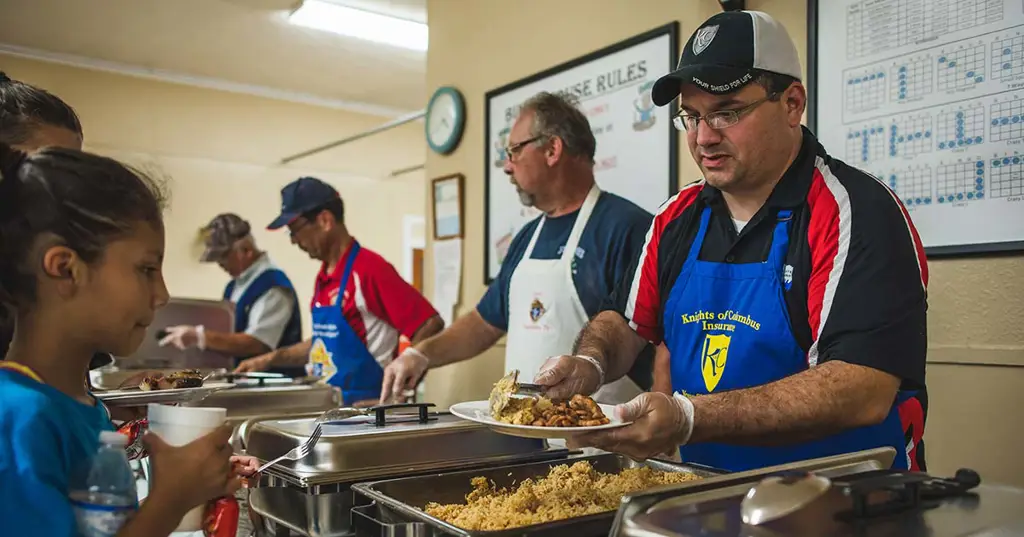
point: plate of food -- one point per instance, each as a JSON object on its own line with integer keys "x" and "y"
{"x": 177, "y": 387}
{"x": 508, "y": 411}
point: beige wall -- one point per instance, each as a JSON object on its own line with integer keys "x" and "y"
{"x": 976, "y": 305}
{"x": 219, "y": 152}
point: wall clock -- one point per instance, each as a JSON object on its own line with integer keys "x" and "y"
{"x": 445, "y": 120}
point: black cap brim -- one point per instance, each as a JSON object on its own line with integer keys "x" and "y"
{"x": 283, "y": 220}
{"x": 716, "y": 79}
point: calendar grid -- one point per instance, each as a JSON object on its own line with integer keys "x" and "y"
{"x": 865, "y": 90}
{"x": 1008, "y": 176}
{"x": 962, "y": 68}
{"x": 910, "y": 136}
{"x": 961, "y": 127}
{"x": 874, "y": 26}
{"x": 912, "y": 185}
{"x": 866, "y": 144}
{"x": 911, "y": 79}
{"x": 1008, "y": 57}
{"x": 1007, "y": 120}
{"x": 960, "y": 181}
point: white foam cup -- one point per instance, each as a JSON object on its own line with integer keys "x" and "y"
{"x": 178, "y": 426}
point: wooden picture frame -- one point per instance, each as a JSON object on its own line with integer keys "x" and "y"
{"x": 447, "y": 202}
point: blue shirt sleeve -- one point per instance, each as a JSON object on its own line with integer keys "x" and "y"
{"x": 493, "y": 307}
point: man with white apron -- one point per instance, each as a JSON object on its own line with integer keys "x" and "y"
{"x": 361, "y": 306}
{"x": 788, "y": 288}
{"x": 560, "y": 268}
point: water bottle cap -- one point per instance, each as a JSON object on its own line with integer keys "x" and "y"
{"x": 113, "y": 438}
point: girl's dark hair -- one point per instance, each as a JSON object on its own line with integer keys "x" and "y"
{"x": 78, "y": 199}
{"x": 24, "y": 108}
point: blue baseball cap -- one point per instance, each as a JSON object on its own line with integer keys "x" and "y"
{"x": 301, "y": 196}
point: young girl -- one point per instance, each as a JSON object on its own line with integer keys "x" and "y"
{"x": 81, "y": 248}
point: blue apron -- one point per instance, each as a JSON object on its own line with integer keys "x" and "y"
{"x": 338, "y": 355}
{"x": 727, "y": 327}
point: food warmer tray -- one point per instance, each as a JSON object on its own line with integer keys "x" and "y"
{"x": 395, "y": 504}
{"x": 871, "y": 503}
{"x": 313, "y": 497}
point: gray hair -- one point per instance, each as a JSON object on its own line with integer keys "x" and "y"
{"x": 558, "y": 114}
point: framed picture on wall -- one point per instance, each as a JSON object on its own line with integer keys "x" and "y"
{"x": 637, "y": 146}
{"x": 925, "y": 103}
{"x": 446, "y": 196}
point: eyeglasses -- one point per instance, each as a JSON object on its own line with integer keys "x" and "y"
{"x": 513, "y": 150}
{"x": 298, "y": 227}
{"x": 719, "y": 119}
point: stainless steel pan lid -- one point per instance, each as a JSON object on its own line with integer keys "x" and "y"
{"x": 360, "y": 448}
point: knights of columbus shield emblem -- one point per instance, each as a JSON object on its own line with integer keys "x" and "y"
{"x": 712, "y": 359}
{"x": 703, "y": 38}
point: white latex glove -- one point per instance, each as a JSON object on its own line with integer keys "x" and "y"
{"x": 566, "y": 376}
{"x": 403, "y": 373}
{"x": 660, "y": 425}
{"x": 184, "y": 337}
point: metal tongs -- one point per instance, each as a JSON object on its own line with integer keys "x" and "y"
{"x": 508, "y": 386}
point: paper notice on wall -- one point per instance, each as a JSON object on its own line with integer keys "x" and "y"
{"x": 447, "y": 277}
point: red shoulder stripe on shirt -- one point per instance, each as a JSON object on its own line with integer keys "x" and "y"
{"x": 828, "y": 235}
{"x": 644, "y": 298}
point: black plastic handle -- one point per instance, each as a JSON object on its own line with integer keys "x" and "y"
{"x": 380, "y": 411}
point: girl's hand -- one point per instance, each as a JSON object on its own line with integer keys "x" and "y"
{"x": 193, "y": 474}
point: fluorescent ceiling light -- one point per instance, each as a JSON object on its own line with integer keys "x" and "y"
{"x": 351, "y": 22}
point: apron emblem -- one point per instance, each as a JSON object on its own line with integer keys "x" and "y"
{"x": 536, "y": 310}
{"x": 712, "y": 361}
{"x": 321, "y": 361}
{"x": 703, "y": 38}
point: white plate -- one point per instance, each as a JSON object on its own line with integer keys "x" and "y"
{"x": 479, "y": 411}
{"x": 137, "y": 397}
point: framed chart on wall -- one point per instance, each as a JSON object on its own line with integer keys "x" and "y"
{"x": 928, "y": 97}
{"x": 637, "y": 146}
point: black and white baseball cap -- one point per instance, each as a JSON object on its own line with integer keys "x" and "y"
{"x": 727, "y": 52}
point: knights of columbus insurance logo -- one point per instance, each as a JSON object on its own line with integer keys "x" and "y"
{"x": 321, "y": 363}
{"x": 712, "y": 359}
{"x": 536, "y": 310}
{"x": 643, "y": 108}
{"x": 703, "y": 38}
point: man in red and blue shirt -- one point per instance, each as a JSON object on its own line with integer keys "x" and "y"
{"x": 360, "y": 306}
{"x": 788, "y": 287}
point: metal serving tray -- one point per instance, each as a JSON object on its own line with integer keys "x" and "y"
{"x": 396, "y": 504}
{"x": 312, "y": 496}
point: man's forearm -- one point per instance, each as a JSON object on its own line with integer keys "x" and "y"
{"x": 295, "y": 355}
{"x": 433, "y": 326}
{"x": 610, "y": 340}
{"x": 238, "y": 344}
{"x": 824, "y": 400}
{"x": 467, "y": 337}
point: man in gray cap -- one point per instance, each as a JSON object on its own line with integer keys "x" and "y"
{"x": 267, "y": 315}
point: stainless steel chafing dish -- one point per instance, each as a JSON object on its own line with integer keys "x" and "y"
{"x": 312, "y": 496}
{"x": 396, "y": 504}
{"x": 856, "y": 495}
{"x": 634, "y": 517}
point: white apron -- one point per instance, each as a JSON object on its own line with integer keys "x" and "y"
{"x": 545, "y": 314}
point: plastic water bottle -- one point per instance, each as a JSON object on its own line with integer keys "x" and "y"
{"x": 108, "y": 497}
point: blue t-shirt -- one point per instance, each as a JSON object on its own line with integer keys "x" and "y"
{"x": 47, "y": 441}
{"x": 611, "y": 241}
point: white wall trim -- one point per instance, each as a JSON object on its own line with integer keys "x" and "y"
{"x": 198, "y": 81}
{"x": 412, "y": 240}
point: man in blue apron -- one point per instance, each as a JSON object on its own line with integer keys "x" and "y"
{"x": 267, "y": 314}
{"x": 561, "y": 266}
{"x": 361, "y": 306}
{"x": 788, "y": 287}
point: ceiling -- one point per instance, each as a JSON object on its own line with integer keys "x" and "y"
{"x": 245, "y": 45}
